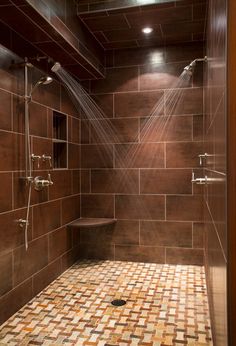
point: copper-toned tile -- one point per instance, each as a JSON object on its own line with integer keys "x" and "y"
{"x": 5, "y": 110}
{"x": 60, "y": 241}
{"x": 140, "y": 253}
{"x": 166, "y": 129}
{"x": 146, "y": 155}
{"x": 15, "y": 299}
{"x": 166, "y": 181}
{"x": 97, "y": 206}
{"x": 184, "y": 256}
{"x": 161, "y": 76}
{"x": 46, "y": 217}
{"x": 114, "y": 130}
{"x": 115, "y": 181}
{"x": 6, "y": 273}
{"x": 70, "y": 209}
{"x": 117, "y": 79}
{"x": 145, "y": 207}
{"x": 46, "y": 276}
{"x": 96, "y": 156}
{"x": 26, "y": 263}
{"x": 183, "y": 155}
{"x": 184, "y": 208}
{"x": 166, "y": 233}
{"x": 139, "y": 104}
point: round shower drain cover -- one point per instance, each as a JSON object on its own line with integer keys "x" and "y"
{"x": 118, "y": 302}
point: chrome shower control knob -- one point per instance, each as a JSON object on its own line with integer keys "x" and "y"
{"x": 40, "y": 183}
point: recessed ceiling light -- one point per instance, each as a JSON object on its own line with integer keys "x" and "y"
{"x": 147, "y": 30}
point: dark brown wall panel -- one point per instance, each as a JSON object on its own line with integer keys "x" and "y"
{"x": 51, "y": 250}
{"x": 138, "y": 161}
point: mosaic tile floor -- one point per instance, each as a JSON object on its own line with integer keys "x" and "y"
{"x": 166, "y": 305}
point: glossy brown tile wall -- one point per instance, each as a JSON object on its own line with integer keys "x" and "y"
{"x": 138, "y": 168}
{"x": 215, "y": 167}
{"x": 52, "y": 247}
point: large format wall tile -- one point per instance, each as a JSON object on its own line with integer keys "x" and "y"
{"x": 24, "y": 273}
{"x": 141, "y": 175}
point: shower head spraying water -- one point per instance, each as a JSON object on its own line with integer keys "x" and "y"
{"x": 56, "y": 67}
{"x": 191, "y": 67}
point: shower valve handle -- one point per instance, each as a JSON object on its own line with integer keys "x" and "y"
{"x": 40, "y": 183}
{"x": 47, "y": 158}
{"x": 36, "y": 158}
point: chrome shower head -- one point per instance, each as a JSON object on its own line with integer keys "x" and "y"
{"x": 191, "y": 67}
{"x": 43, "y": 80}
{"x": 56, "y": 67}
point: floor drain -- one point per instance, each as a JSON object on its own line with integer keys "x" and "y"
{"x": 118, "y": 302}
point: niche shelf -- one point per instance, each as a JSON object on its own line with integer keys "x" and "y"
{"x": 60, "y": 145}
{"x": 91, "y": 222}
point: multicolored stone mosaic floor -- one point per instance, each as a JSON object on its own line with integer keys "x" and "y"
{"x": 166, "y": 305}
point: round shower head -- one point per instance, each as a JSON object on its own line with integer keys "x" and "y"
{"x": 45, "y": 80}
{"x": 42, "y": 81}
{"x": 190, "y": 68}
{"x": 56, "y": 67}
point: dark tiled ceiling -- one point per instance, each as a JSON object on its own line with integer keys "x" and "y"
{"x": 121, "y": 27}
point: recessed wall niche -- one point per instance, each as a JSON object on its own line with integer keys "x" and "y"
{"x": 60, "y": 145}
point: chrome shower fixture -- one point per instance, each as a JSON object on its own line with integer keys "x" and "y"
{"x": 43, "y": 80}
{"x": 190, "y": 68}
{"x": 56, "y": 67}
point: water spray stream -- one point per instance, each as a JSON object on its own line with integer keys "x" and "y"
{"x": 106, "y": 136}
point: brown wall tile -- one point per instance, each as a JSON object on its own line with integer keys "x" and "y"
{"x": 115, "y": 130}
{"x": 161, "y": 76}
{"x": 26, "y": 263}
{"x": 162, "y": 233}
{"x": 145, "y": 207}
{"x": 60, "y": 241}
{"x": 15, "y": 299}
{"x": 46, "y": 217}
{"x": 119, "y": 79}
{"x": 70, "y": 208}
{"x": 115, "y": 181}
{"x": 148, "y": 155}
{"x": 44, "y": 277}
{"x": 62, "y": 184}
{"x": 5, "y": 110}
{"x": 5, "y": 273}
{"x": 183, "y": 155}
{"x": 97, "y": 206}
{"x": 166, "y": 181}
{"x": 184, "y": 208}
{"x": 139, "y": 104}
{"x": 166, "y": 129}
{"x": 96, "y": 156}
{"x": 6, "y": 192}
{"x": 184, "y": 256}
{"x": 11, "y": 234}
{"x": 139, "y": 253}
{"x": 101, "y": 252}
